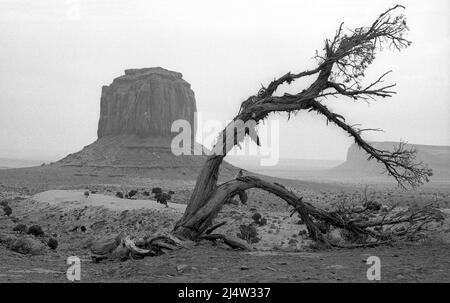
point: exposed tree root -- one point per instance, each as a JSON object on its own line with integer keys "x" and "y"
{"x": 128, "y": 248}
{"x": 214, "y": 227}
{"x": 228, "y": 241}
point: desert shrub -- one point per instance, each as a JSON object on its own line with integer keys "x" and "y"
{"x": 353, "y": 237}
{"x": 256, "y": 217}
{"x": 323, "y": 226}
{"x": 22, "y": 228}
{"x": 52, "y": 243}
{"x": 35, "y": 230}
{"x": 156, "y": 190}
{"x": 119, "y": 194}
{"x": 263, "y": 221}
{"x": 303, "y": 233}
{"x": 7, "y": 210}
{"x": 162, "y": 198}
{"x": 248, "y": 233}
{"x": 372, "y": 205}
{"x": 292, "y": 241}
{"x": 132, "y": 193}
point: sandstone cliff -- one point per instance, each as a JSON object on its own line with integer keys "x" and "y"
{"x": 436, "y": 157}
{"x": 145, "y": 102}
{"x": 134, "y": 129}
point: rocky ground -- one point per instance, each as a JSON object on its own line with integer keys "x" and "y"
{"x": 283, "y": 253}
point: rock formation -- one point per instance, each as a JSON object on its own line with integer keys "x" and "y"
{"x": 145, "y": 102}
{"x": 436, "y": 157}
{"x": 134, "y": 129}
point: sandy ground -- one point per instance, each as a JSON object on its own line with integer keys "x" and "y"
{"x": 76, "y": 199}
{"x": 429, "y": 262}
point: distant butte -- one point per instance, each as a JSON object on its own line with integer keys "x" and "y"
{"x": 145, "y": 102}
{"x": 134, "y": 129}
{"x": 436, "y": 157}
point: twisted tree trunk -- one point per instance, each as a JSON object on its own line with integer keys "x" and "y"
{"x": 339, "y": 73}
{"x": 205, "y": 188}
{"x": 343, "y": 63}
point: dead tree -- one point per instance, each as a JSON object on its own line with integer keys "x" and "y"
{"x": 339, "y": 73}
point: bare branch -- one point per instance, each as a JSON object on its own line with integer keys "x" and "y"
{"x": 398, "y": 163}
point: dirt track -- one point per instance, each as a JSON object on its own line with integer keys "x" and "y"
{"x": 403, "y": 263}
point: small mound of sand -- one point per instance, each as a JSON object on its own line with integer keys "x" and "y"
{"x": 76, "y": 199}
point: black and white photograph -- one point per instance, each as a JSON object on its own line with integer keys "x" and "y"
{"x": 221, "y": 148}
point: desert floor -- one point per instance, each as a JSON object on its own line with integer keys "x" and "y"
{"x": 53, "y": 198}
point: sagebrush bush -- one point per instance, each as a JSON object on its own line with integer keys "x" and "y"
{"x": 248, "y": 233}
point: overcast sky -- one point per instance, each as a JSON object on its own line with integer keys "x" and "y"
{"x": 56, "y": 55}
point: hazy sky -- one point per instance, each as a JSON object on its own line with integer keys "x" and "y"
{"x": 56, "y": 55}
